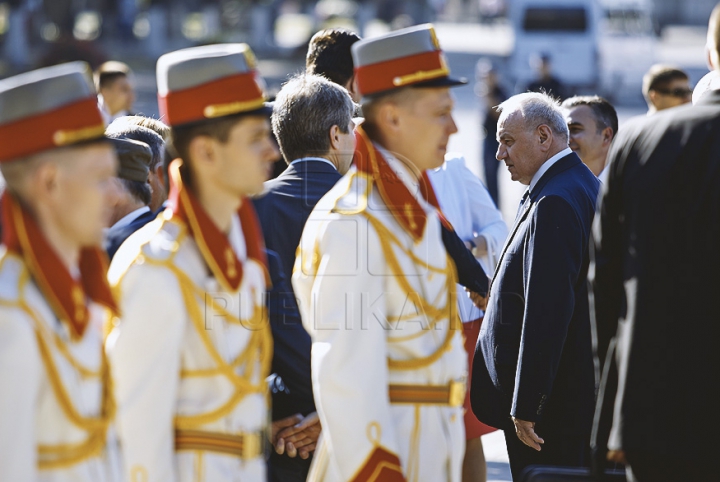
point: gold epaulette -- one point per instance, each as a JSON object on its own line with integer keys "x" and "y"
{"x": 360, "y": 204}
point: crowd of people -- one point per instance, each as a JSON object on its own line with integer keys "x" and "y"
{"x": 366, "y": 313}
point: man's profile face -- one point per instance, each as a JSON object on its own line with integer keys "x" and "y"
{"x": 244, "y": 160}
{"x": 677, "y": 92}
{"x": 427, "y": 125}
{"x": 119, "y": 95}
{"x": 585, "y": 138}
{"x": 518, "y": 147}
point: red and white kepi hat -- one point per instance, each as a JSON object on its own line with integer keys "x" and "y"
{"x": 46, "y": 109}
{"x": 407, "y": 57}
{"x": 203, "y": 83}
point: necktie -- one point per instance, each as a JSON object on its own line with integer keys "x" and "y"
{"x": 522, "y": 202}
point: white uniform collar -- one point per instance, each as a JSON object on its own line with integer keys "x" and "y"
{"x": 547, "y": 165}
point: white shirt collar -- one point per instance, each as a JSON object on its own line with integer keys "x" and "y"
{"x": 547, "y": 165}
{"x": 314, "y": 159}
{"x": 130, "y": 217}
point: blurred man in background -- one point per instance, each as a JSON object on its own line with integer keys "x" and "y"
{"x": 133, "y": 192}
{"x": 593, "y": 123}
{"x": 329, "y": 55}
{"x": 116, "y": 93}
{"x": 492, "y": 94}
{"x": 665, "y": 87}
{"x": 149, "y": 131}
{"x": 545, "y": 82}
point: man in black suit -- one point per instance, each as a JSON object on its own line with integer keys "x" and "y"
{"x": 312, "y": 121}
{"x": 533, "y": 373}
{"x": 655, "y": 287}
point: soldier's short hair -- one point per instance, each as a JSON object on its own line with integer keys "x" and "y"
{"x": 305, "y": 110}
{"x": 329, "y": 54}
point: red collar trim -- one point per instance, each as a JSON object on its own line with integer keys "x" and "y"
{"x": 66, "y": 296}
{"x": 397, "y": 197}
{"x": 213, "y": 243}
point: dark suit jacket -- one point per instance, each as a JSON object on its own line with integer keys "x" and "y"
{"x": 533, "y": 359}
{"x": 117, "y": 236}
{"x": 656, "y": 283}
{"x": 292, "y": 345}
{"x": 287, "y": 203}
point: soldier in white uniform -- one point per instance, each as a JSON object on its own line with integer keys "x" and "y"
{"x": 376, "y": 286}
{"x": 192, "y": 350}
{"x": 56, "y": 407}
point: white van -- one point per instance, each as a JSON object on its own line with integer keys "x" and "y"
{"x": 566, "y": 30}
{"x": 628, "y": 47}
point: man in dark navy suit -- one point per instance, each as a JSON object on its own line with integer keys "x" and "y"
{"x": 312, "y": 121}
{"x": 135, "y": 210}
{"x": 133, "y": 192}
{"x": 533, "y": 371}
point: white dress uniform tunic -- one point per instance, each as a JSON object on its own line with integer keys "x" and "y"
{"x": 377, "y": 295}
{"x": 56, "y": 406}
{"x": 189, "y": 356}
{"x": 192, "y": 349}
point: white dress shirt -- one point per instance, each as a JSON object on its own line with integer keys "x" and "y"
{"x": 130, "y": 217}
{"x": 468, "y": 206}
{"x": 322, "y": 159}
{"x": 547, "y": 165}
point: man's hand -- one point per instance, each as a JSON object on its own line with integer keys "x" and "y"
{"x": 526, "y": 433}
{"x": 478, "y": 300}
{"x": 299, "y": 438}
{"x": 278, "y": 425}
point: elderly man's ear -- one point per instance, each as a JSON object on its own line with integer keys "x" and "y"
{"x": 544, "y": 136}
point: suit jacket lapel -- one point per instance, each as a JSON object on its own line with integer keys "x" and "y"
{"x": 561, "y": 165}
{"x": 518, "y": 221}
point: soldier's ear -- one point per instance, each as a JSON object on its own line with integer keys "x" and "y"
{"x": 201, "y": 150}
{"x": 389, "y": 116}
